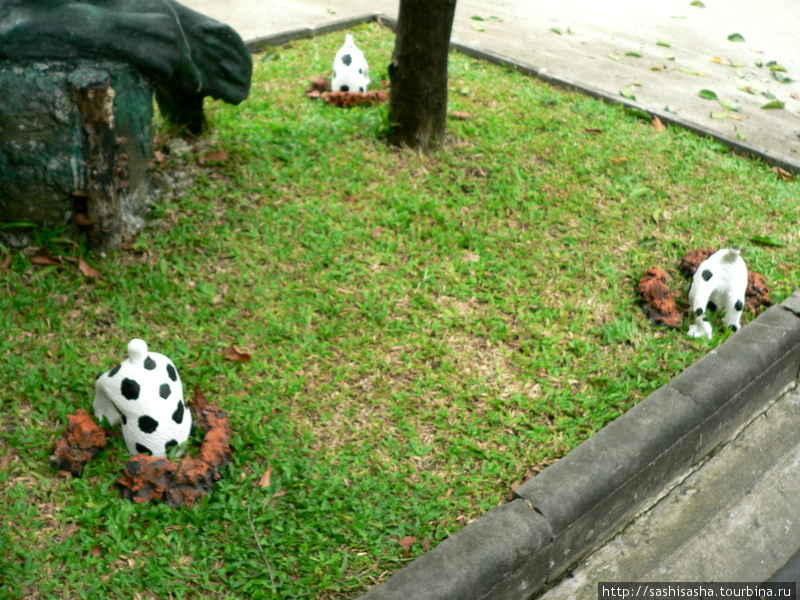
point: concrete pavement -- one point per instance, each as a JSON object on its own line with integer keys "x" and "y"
{"x": 734, "y": 517}
{"x": 660, "y": 53}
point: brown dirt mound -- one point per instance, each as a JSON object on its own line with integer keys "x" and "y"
{"x": 691, "y": 260}
{"x": 321, "y": 88}
{"x": 146, "y": 478}
{"x": 658, "y": 301}
{"x": 757, "y": 293}
{"x": 79, "y": 444}
{"x": 196, "y": 476}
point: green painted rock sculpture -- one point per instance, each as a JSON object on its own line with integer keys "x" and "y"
{"x": 77, "y": 81}
{"x": 185, "y": 54}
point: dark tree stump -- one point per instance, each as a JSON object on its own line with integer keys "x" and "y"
{"x": 418, "y": 73}
{"x": 74, "y": 145}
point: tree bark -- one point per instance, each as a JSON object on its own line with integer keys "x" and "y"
{"x": 418, "y": 73}
{"x": 95, "y": 98}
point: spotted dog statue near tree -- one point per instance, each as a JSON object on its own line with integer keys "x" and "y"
{"x": 350, "y": 68}
{"x": 145, "y": 394}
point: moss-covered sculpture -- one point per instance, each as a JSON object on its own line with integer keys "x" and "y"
{"x": 186, "y": 55}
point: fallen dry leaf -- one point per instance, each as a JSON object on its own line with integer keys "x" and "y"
{"x": 235, "y": 354}
{"x": 460, "y": 115}
{"x": 87, "y": 269}
{"x": 266, "y": 478}
{"x": 658, "y": 125}
{"x": 42, "y": 257}
{"x": 593, "y": 131}
{"x": 158, "y": 156}
{"x": 219, "y": 156}
{"x": 784, "y": 174}
{"x": 621, "y": 159}
{"x": 6, "y": 263}
{"x": 406, "y": 544}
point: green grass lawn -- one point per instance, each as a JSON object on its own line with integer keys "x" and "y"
{"x": 425, "y": 331}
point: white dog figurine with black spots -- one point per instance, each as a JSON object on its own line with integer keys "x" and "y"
{"x": 720, "y": 282}
{"x": 145, "y": 394}
{"x": 350, "y": 68}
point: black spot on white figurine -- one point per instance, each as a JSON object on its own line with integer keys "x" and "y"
{"x": 719, "y": 282}
{"x": 145, "y": 394}
{"x": 350, "y": 68}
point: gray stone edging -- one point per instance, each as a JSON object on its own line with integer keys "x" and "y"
{"x": 258, "y": 44}
{"x": 517, "y": 550}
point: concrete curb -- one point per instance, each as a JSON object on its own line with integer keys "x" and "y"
{"x": 560, "y": 515}
{"x": 258, "y": 44}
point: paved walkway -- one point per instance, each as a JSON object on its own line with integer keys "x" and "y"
{"x": 734, "y": 518}
{"x": 663, "y": 52}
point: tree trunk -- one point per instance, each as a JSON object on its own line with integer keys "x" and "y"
{"x": 418, "y": 73}
{"x": 95, "y": 98}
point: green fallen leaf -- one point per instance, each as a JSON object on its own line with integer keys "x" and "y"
{"x": 555, "y": 30}
{"x": 628, "y": 93}
{"x": 708, "y": 95}
{"x": 639, "y": 192}
{"x": 736, "y": 63}
{"x": 646, "y": 242}
{"x": 781, "y": 77}
{"x": 477, "y": 27}
{"x": 633, "y": 53}
{"x": 663, "y": 43}
{"x": 697, "y": 3}
{"x": 613, "y": 57}
{"x": 765, "y": 240}
{"x": 741, "y": 136}
{"x": 669, "y": 56}
{"x": 690, "y": 72}
{"x": 774, "y": 104}
{"x": 720, "y": 114}
{"x": 728, "y": 105}
{"x": 477, "y": 18}
{"x": 736, "y": 37}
